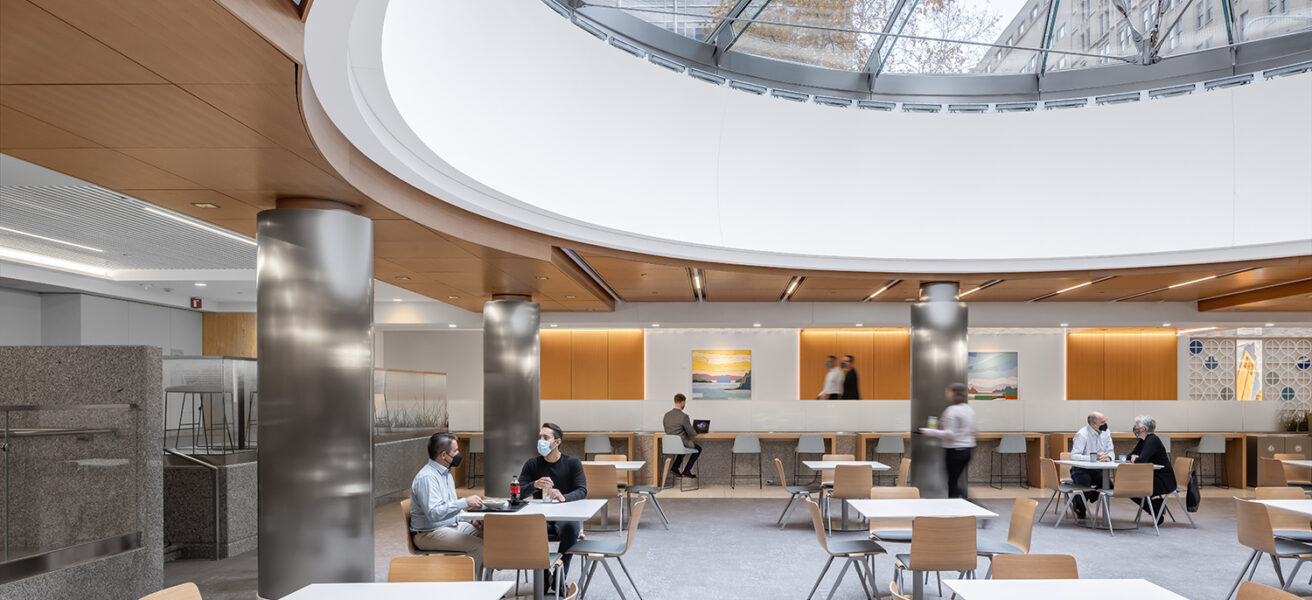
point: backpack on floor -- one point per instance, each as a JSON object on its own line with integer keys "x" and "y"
{"x": 1192, "y": 497}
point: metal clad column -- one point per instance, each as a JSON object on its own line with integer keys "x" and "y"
{"x": 938, "y": 358}
{"x": 511, "y": 406}
{"x": 315, "y": 337}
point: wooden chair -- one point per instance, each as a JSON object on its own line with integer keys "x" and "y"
{"x": 940, "y": 544}
{"x": 595, "y": 552}
{"x": 1182, "y": 467}
{"x": 1253, "y": 526}
{"x": 1061, "y": 491}
{"x": 1018, "y": 534}
{"x": 1285, "y": 524}
{"x": 1132, "y": 481}
{"x": 850, "y": 482}
{"x": 894, "y": 594}
{"x": 1271, "y": 473}
{"x": 1064, "y": 471}
{"x": 859, "y": 554}
{"x": 1256, "y": 591}
{"x": 797, "y": 493}
{"x": 603, "y": 484}
{"x": 621, "y": 477}
{"x": 1299, "y": 477}
{"x": 903, "y": 473}
{"x": 892, "y": 531}
{"x": 1035, "y": 566}
{"x": 827, "y": 475}
{"x": 182, "y": 591}
{"x": 517, "y": 542}
{"x": 430, "y": 568}
{"x": 648, "y": 492}
{"x": 410, "y": 536}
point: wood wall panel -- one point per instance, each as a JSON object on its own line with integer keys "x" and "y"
{"x": 892, "y": 373}
{"x": 883, "y": 360}
{"x": 588, "y": 364}
{"x": 556, "y": 375}
{"x": 1160, "y": 360}
{"x": 814, "y": 345}
{"x": 1084, "y": 366}
{"x": 625, "y": 366}
{"x": 861, "y": 345}
{"x": 228, "y": 334}
{"x": 1121, "y": 364}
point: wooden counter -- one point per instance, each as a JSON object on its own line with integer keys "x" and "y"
{"x": 1035, "y": 448}
{"x": 830, "y": 440}
{"x": 462, "y": 439}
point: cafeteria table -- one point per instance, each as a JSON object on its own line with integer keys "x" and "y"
{"x": 578, "y": 510}
{"x": 907, "y": 509}
{"x": 829, "y": 465}
{"x": 1300, "y": 507}
{"x": 452, "y": 590}
{"x": 1107, "y": 468}
{"x": 620, "y": 465}
{"x": 1065, "y": 589}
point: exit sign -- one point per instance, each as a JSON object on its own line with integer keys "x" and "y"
{"x": 195, "y": 302}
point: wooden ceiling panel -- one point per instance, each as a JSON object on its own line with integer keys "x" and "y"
{"x": 247, "y": 169}
{"x": 1263, "y": 276}
{"x": 104, "y": 167}
{"x": 736, "y": 286}
{"x": 1020, "y": 290}
{"x": 836, "y": 289}
{"x": 18, "y": 130}
{"x": 271, "y": 110}
{"x": 642, "y": 282}
{"x": 184, "y": 201}
{"x": 1288, "y": 304}
{"x": 445, "y": 293}
{"x": 243, "y": 226}
{"x": 41, "y": 48}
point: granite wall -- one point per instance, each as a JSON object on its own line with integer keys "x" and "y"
{"x": 77, "y": 488}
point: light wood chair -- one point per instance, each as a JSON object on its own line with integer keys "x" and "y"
{"x": 893, "y": 592}
{"x": 1285, "y": 524}
{"x": 182, "y": 591}
{"x": 1271, "y": 473}
{"x": 1182, "y": 467}
{"x": 648, "y": 492}
{"x": 1253, "y": 526}
{"x": 603, "y": 484}
{"x": 1019, "y": 533}
{"x": 517, "y": 542}
{"x": 859, "y": 554}
{"x": 1035, "y": 566}
{"x": 430, "y": 568}
{"x": 595, "y": 552}
{"x": 903, "y": 473}
{"x": 940, "y": 544}
{"x": 850, "y": 482}
{"x": 1299, "y": 477}
{"x": 1062, "y": 491}
{"x": 892, "y": 531}
{"x": 410, "y": 536}
{"x": 1064, "y": 471}
{"x": 1133, "y": 481}
{"x": 827, "y": 475}
{"x": 621, "y": 477}
{"x": 797, "y": 493}
{"x": 1256, "y": 591}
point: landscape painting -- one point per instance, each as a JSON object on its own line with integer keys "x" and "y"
{"x": 992, "y": 375}
{"x": 722, "y": 374}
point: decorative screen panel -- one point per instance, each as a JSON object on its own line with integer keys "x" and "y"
{"x": 1211, "y": 369}
{"x": 1287, "y": 375}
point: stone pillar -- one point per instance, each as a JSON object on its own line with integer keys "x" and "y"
{"x": 511, "y": 405}
{"x": 315, "y": 339}
{"x": 938, "y": 358}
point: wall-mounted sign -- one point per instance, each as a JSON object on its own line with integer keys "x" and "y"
{"x": 195, "y": 302}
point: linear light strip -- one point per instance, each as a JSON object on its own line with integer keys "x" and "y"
{"x": 1201, "y": 279}
{"x": 881, "y": 290}
{"x": 1074, "y": 287}
{"x": 50, "y": 239}
{"x": 1169, "y": 287}
{"x": 199, "y": 225}
{"x": 986, "y": 284}
{"x": 50, "y": 261}
{"x": 792, "y": 287}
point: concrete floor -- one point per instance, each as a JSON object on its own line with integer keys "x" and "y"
{"x": 723, "y": 543}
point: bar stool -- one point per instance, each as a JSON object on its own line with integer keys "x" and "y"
{"x": 889, "y": 444}
{"x": 745, "y": 444}
{"x": 673, "y": 445}
{"x": 1214, "y": 444}
{"x": 807, "y": 444}
{"x": 471, "y": 471}
{"x": 596, "y": 443}
{"x": 1012, "y": 443}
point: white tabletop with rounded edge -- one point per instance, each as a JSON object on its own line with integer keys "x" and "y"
{"x": 829, "y": 465}
{"x": 620, "y": 465}
{"x": 464, "y": 590}
{"x": 1097, "y": 465}
{"x": 1302, "y": 507}
{"x": 1065, "y": 589}
{"x": 902, "y": 509}
{"x": 578, "y": 510}
{"x": 1299, "y": 463}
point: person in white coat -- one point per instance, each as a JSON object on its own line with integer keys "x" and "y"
{"x": 956, "y": 433}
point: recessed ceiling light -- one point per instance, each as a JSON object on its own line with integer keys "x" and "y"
{"x": 204, "y": 205}
{"x": 570, "y": 297}
{"x": 396, "y": 299}
{"x": 200, "y": 284}
{"x": 543, "y": 278}
{"x": 860, "y": 324}
{"x": 1166, "y": 324}
{"x": 451, "y": 325}
{"x": 655, "y": 324}
{"x": 1065, "y": 324}
{"x": 402, "y": 278}
{"x": 555, "y": 325}
{"x": 50, "y": 239}
{"x": 756, "y": 324}
{"x": 453, "y": 297}
{"x": 1270, "y": 324}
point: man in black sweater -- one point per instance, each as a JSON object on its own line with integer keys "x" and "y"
{"x": 559, "y": 477}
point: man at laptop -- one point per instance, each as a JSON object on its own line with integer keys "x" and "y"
{"x": 434, "y": 506}
{"x": 557, "y": 477}
{"x": 678, "y": 423}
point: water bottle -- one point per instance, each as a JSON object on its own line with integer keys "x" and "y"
{"x": 514, "y": 489}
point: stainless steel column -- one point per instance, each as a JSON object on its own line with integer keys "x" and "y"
{"x": 938, "y": 358}
{"x": 511, "y": 413}
{"x": 315, "y": 338}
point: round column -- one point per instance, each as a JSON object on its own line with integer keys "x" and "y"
{"x": 511, "y": 403}
{"x": 938, "y": 358}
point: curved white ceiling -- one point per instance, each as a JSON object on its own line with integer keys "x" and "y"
{"x": 507, "y": 110}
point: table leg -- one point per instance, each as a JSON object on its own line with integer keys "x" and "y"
{"x": 538, "y": 592}
{"x": 917, "y": 586}
{"x": 844, "y": 501}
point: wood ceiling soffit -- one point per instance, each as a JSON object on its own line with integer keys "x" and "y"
{"x": 1274, "y": 292}
{"x": 41, "y": 48}
{"x": 19, "y": 130}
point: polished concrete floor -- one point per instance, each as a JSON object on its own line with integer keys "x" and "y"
{"x": 723, "y": 544}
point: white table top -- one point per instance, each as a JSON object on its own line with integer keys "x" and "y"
{"x": 829, "y": 465}
{"x": 903, "y": 509}
{"x": 1302, "y": 507}
{"x": 620, "y": 465}
{"x": 1299, "y": 463}
{"x": 1096, "y": 465}
{"x": 1066, "y": 589}
{"x": 465, "y": 590}
{"x": 578, "y": 510}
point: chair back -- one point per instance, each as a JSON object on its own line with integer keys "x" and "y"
{"x": 602, "y": 482}
{"x": 1211, "y": 443}
{"x": 783, "y": 478}
{"x": 409, "y": 536}
{"x": 810, "y": 444}
{"x": 1182, "y": 466}
{"x": 1035, "y": 566}
{"x": 1048, "y": 474}
{"x": 818, "y": 523}
{"x": 1022, "y": 523}
{"x": 1271, "y": 472}
{"x": 634, "y": 518}
{"x": 894, "y": 593}
{"x": 903, "y": 473}
{"x": 853, "y": 481}
{"x": 1166, "y": 441}
{"x": 892, "y": 493}
{"x": 1064, "y": 471}
{"x": 476, "y": 444}
{"x": 1294, "y": 473}
{"x": 1133, "y": 480}
{"x": 673, "y": 444}
{"x": 890, "y": 444}
{"x": 746, "y": 443}
{"x": 943, "y": 544}
{"x": 665, "y": 472}
{"x": 1012, "y": 443}
{"x": 621, "y": 477}
{"x": 596, "y": 443}
{"x": 827, "y": 475}
{"x": 1256, "y": 591}
{"x": 515, "y": 541}
{"x": 431, "y": 568}
{"x": 1283, "y": 519}
{"x": 1253, "y": 525}
{"x": 182, "y": 591}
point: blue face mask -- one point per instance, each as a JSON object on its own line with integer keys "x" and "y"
{"x": 544, "y": 447}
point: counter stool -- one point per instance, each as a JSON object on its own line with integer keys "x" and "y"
{"x": 807, "y": 444}
{"x": 673, "y": 445}
{"x": 1013, "y": 444}
{"x": 745, "y": 444}
{"x": 596, "y": 443}
{"x": 471, "y": 471}
{"x": 889, "y": 444}
{"x": 1214, "y": 444}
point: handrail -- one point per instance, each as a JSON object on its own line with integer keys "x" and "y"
{"x": 23, "y": 407}
{"x": 215, "y": 468}
{"x": 26, "y": 432}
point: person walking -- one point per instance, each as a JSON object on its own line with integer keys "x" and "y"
{"x": 956, "y": 433}
{"x": 851, "y": 384}
{"x": 833, "y": 388}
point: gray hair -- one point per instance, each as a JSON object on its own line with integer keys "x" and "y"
{"x": 1146, "y": 422}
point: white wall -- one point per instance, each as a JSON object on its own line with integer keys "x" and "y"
{"x": 20, "y": 318}
{"x": 80, "y": 319}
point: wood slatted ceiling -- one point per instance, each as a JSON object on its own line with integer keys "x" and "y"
{"x": 228, "y": 334}
{"x": 593, "y": 364}
{"x": 735, "y": 286}
{"x": 882, "y": 358}
{"x": 1121, "y": 364}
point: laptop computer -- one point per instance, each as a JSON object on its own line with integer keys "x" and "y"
{"x": 498, "y": 506}
{"x": 702, "y": 425}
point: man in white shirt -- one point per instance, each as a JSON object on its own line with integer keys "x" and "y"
{"x": 1093, "y": 443}
{"x": 833, "y": 389}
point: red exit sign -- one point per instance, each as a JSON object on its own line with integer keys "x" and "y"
{"x": 195, "y": 302}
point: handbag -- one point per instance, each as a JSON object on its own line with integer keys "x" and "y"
{"x": 1192, "y": 497}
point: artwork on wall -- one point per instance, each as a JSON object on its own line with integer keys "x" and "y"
{"x": 1248, "y": 373}
{"x": 992, "y": 375}
{"x": 722, "y": 374}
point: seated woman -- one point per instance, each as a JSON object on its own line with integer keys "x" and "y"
{"x": 1151, "y": 450}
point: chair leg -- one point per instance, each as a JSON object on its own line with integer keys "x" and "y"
{"x": 786, "y": 507}
{"x": 592, "y": 570}
{"x": 1242, "y": 572}
{"x": 1280, "y": 576}
{"x": 733, "y": 469}
{"x": 1107, "y": 510}
{"x": 842, "y": 572}
{"x": 826, "y": 570}
{"x": 1061, "y": 517}
{"x": 660, "y": 511}
{"x": 1292, "y": 574}
{"x": 1185, "y": 509}
{"x": 1044, "y": 513}
{"x": 626, "y": 574}
{"x": 791, "y": 507}
{"x": 861, "y": 575}
{"x": 613, "y": 580}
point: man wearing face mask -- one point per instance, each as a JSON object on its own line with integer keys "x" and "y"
{"x": 556, "y": 477}
{"x": 1093, "y": 443}
{"x": 851, "y": 384}
{"x": 434, "y": 505}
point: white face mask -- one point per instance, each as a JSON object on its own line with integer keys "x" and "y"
{"x": 544, "y": 447}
